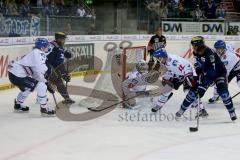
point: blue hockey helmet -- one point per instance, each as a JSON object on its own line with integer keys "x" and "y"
{"x": 160, "y": 53}
{"x": 41, "y": 42}
{"x": 220, "y": 44}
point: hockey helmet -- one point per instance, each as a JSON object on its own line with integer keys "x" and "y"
{"x": 41, "y": 43}
{"x": 60, "y": 35}
{"x": 197, "y": 41}
{"x": 160, "y": 53}
{"x": 220, "y": 44}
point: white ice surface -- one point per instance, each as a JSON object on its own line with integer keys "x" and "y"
{"x": 32, "y": 137}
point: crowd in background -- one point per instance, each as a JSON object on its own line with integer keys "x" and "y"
{"x": 45, "y": 8}
{"x": 196, "y": 9}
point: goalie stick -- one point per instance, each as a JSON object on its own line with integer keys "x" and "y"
{"x": 102, "y": 109}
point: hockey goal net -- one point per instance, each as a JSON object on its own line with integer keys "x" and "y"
{"x": 131, "y": 56}
{"x": 114, "y": 73}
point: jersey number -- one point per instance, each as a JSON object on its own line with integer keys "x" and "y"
{"x": 180, "y": 67}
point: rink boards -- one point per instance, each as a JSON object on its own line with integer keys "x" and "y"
{"x": 99, "y": 45}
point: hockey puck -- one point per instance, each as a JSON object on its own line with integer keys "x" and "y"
{"x": 193, "y": 129}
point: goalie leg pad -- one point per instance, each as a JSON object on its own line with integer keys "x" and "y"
{"x": 130, "y": 102}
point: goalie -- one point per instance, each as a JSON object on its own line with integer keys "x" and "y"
{"x": 134, "y": 84}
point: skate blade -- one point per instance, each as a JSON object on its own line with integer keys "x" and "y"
{"x": 19, "y": 111}
{"x": 203, "y": 117}
{"x": 67, "y": 103}
{"x": 48, "y": 115}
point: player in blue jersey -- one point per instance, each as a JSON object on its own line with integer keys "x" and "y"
{"x": 210, "y": 69}
{"x": 55, "y": 61}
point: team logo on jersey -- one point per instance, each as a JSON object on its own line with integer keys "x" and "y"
{"x": 212, "y": 59}
{"x": 174, "y": 63}
{"x": 156, "y": 40}
{"x": 202, "y": 59}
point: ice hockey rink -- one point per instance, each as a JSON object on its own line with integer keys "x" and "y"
{"x": 116, "y": 135}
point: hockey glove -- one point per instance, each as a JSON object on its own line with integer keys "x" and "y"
{"x": 191, "y": 81}
{"x": 66, "y": 77}
{"x": 49, "y": 88}
{"x": 67, "y": 54}
{"x": 198, "y": 68}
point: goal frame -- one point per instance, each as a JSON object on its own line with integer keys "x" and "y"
{"x": 124, "y": 59}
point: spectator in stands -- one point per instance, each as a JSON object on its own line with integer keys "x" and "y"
{"x": 11, "y": 8}
{"x": 24, "y": 8}
{"x": 39, "y": 3}
{"x": 197, "y": 14}
{"x": 162, "y": 9}
{"x": 181, "y": 9}
{"x": 60, "y": 4}
{"x": 172, "y": 8}
{"x": 210, "y": 10}
{"x": 47, "y": 10}
{"x": 220, "y": 12}
{"x": 81, "y": 11}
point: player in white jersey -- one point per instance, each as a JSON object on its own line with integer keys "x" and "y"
{"x": 231, "y": 62}
{"x": 134, "y": 84}
{"x": 28, "y": 75}
{"x": 179, "y": 71}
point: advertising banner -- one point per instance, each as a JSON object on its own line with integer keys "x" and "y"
{"x": 193, "y": 28}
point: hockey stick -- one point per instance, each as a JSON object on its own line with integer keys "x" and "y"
{"x": 102, "y": 109}
{"x": 67, "y": 73}
{"x": 55, "y": 100}
{"x": 235, "y": 95}
{"x": 195, "y": 129}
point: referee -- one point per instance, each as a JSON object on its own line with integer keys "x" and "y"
{"x": 157, "y": 41}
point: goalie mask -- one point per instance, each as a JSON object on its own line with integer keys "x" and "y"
{"x": 160, "y": 55}
{"x": 142, "y": 66}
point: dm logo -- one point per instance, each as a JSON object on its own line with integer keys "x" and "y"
{"x": 212, "y": 28}
{"x": 172, "y": 27}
